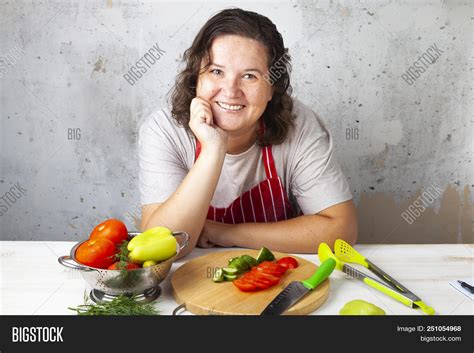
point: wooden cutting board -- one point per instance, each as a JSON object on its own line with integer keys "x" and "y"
{"x": 192, "y": 285}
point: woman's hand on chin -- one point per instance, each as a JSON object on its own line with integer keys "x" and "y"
{"x": 203, "y": 126}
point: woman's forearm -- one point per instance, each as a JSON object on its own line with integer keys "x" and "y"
{"x": 297, "y": 235}
{"x": 186, "y": 209}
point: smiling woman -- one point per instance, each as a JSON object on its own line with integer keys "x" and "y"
{"x": 236, "y": 91}
{"x": 236, "y": 161}
{"x": 261, "y": 46}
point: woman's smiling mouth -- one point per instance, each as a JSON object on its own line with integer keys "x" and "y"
{"x": 230, "y": 107}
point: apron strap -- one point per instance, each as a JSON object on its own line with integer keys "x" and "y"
{"x": 198, "y": 150}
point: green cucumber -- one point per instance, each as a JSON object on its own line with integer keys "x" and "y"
{"x": 230, "y": 271}
{"x": 265, "y": 255}
{"x": 230, "y": 277}
{"x": 250, "y": 260}
{"x": 245, "y": 265}
{"x": 239, "y": 264}
{"x": 234, "y": 262}
{"x": 218, "y": 275}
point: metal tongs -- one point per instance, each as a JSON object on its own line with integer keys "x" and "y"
{"x": 388, "y": 285}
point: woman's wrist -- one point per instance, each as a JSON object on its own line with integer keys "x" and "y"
{"x": 216, "y": 146}
{"x": 214, "y": 150}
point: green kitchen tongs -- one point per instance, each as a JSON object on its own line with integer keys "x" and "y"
{"x": 391, "y": 287}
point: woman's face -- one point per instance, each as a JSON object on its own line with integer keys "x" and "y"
{"x": 234, "y": 84}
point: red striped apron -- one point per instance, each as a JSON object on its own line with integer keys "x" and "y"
{"x": 265, "y": 202}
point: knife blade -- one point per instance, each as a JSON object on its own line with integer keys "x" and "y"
{"x": 296, "y": 290}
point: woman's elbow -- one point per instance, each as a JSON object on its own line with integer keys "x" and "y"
{"x": 351, "y": 233}
{"x": 347, "y": 228}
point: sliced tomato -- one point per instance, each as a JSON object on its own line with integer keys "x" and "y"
{"x": 276, "y": 268}
{"x": 280, "y": 269}
{"x": 268, "y": 271}
{"x": 261, "y": 281}
{"x": 256, "y": 282}
{"x": 244, "y": 286}
{"x": 267, "y": 264}
{"x": 263, "y": 276}
{"x": 260, "y": 285}
{"x": 255, "y": 276}
{"x": 272, "y": 279}
{"x": 288, "y": 262}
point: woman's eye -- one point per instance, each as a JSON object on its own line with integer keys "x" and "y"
{"x": 249, "y": 76}
{"x": 216, "y": 71}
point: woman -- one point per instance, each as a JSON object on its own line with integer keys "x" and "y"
{"x": 237, "y": 161}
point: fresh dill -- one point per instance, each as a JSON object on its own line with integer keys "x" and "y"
{"x": 121, "y": 305}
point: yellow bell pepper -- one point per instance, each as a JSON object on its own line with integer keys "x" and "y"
{"x": 155, "y": 244}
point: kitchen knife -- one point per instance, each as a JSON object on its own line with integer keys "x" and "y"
{"x": 298, "y": 289}
{"x": 466, "y": 286}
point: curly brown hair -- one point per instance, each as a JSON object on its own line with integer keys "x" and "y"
{"x": 278, "y": 116}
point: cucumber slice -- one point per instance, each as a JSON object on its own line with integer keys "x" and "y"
{"x": 233, "y": 262}
{"x": 218, "y": 275}
{"x": 230, "y": 277}
{"x": 239, "y": 264}
{"x": 250, "y": 260}
{"x": 230, "y": 271}
{"x": 265, "y": 255}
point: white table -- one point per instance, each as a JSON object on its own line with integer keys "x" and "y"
{"x": 34, "y": 283}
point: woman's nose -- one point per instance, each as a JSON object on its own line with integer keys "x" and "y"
{"x": 231, "y": 88}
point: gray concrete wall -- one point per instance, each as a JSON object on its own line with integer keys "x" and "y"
{"x": 69, "y": 119}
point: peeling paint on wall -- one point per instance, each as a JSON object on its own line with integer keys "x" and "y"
{"x": 380, "y": 220}
{"x": 99, "y": 65}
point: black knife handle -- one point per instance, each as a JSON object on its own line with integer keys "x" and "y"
{"x": 467, "y": 286}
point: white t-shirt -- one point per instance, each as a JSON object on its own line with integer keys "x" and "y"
{"x": 305, "y": 163}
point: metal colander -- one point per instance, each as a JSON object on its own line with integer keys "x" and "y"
{"x": 132, "y": 282}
